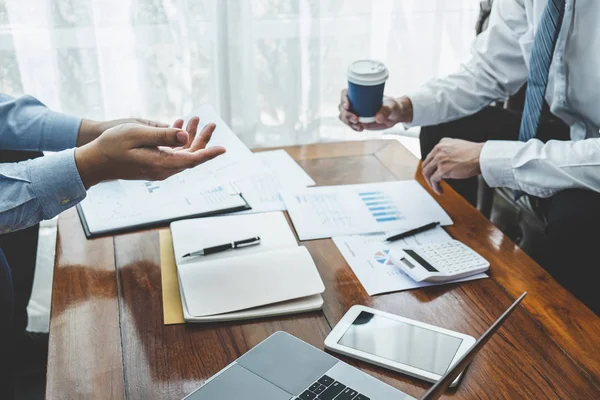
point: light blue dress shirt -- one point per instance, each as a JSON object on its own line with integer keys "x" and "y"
{"x": 38, "y": 189}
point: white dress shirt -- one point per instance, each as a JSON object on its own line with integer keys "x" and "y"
{"x": 499, "y": 67}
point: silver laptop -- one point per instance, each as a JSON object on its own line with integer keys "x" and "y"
{"x": 283, "y": 367}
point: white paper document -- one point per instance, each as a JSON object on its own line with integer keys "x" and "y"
{"x": 227, "y": 165}
{"x": 329, "y": 211}
{"x": 280, "y": 162}
{"x": 368, "y": 256}
{"x": 271, "y": 172}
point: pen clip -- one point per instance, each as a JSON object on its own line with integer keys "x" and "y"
{"x": 246, "y": 242}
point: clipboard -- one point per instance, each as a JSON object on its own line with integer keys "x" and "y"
{"x": 151, "y": 222}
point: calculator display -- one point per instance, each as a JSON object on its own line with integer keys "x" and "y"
{"x": 401, "y": 342}
{"x": 420, "y": 260}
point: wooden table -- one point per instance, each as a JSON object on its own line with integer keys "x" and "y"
{"x": 108, "y": 341}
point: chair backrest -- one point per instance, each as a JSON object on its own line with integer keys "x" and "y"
{"x": 6, "y": 294}
{"x": 6, "y": 311}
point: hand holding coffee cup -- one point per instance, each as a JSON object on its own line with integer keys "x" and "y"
{"x": 363, "y": 105}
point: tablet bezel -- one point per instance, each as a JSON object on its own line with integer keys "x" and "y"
{"x": 331, "y": 343}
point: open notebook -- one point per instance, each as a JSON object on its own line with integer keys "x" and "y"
{"x": 275, "y": 277}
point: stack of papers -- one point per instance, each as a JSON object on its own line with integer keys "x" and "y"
{"x": 211, "y": 188}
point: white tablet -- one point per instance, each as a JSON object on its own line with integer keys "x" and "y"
{"x": 401, "y": 344}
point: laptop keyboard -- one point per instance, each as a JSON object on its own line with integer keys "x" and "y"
{"x": 327, "y": 388}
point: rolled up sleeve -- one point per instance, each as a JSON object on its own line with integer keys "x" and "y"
{"x": 38, "y": 189}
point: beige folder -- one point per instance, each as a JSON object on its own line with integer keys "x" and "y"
{"x": 172, "y": 308}
{"x": 281, "y": 279}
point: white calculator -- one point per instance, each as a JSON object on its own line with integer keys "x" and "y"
{"x": 439, "y": 262}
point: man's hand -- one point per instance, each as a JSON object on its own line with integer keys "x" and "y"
{"x": 191, "y": 128}
{"x": 134, "y": 151}
{"x": 451, "y": 159}
{"x": 91, "y": 130}
{"x": 391, "y": 112}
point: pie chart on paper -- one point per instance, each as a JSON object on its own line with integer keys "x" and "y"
{"x": 382, "y": 257}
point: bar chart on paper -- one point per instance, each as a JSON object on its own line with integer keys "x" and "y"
{"x": 381, "y": 207}
{"x": 329, "y": 211}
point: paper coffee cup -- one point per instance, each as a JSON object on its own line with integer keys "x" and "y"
{"x": 366, "y": 81}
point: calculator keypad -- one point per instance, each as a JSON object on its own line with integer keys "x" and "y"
{"x": 451, "y": 258}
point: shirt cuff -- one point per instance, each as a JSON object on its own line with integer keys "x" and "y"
{"x": 56, "y": 182}
{"x": 424, "y": 108}
{"x": 60, "y": 131}
{"x": 496, "y": 162}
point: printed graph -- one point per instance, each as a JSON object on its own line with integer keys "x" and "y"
{"x": 382, "y": 257}
{"x": 213, "y": 196}
{"x": 381, "y": 207}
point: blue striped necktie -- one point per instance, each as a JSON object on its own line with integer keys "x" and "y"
{"x": 539, "y": 67}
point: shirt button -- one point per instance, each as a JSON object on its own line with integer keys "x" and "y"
{"x": 65, "y": 201}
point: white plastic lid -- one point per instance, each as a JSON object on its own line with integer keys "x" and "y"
{"x": 367, "y": 72}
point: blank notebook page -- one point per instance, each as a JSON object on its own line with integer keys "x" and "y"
{"x": 195, "y": 234}
{"x": 238, "y": 283}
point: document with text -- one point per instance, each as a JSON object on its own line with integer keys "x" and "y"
{"x": 272, "y": 172}
{"x": 238, "y": 180}
{"x": 328, "y": 211}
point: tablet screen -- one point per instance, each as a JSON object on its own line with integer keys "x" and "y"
{"x": 402, "y": 342}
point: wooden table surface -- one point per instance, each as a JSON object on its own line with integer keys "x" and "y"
{"x": 108, "y": 341}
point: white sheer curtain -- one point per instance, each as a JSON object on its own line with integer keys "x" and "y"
{"x": 272, "y": 68}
